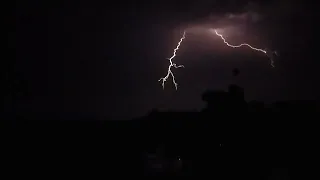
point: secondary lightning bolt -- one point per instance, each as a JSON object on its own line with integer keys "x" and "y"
{"x": 248, "y": 45}
{"x": 172, "y": 64}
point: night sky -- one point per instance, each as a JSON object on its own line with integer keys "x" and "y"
{"x": 103, "y": 59}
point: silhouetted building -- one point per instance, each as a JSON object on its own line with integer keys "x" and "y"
{"x": 236, "y": 98}
{"x": 219, "y": 101}
{"x": 256, "y": 106}
{"x": 216, "y": 100}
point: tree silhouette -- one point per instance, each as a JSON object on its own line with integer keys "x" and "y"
{"x": 235, "y": 72}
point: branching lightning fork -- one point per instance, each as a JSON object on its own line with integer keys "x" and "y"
{"x": 172, "y": 64}
{"x": 248, "y": 45}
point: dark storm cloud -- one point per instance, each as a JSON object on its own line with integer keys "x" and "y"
{"x": 219, "y": 14}
{"x": 205, "y": 12}
{"x": 81, "y": 56}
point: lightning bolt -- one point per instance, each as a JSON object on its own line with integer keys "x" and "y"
{"x": 248, "y": 45}
{"x": 172, "y": 64}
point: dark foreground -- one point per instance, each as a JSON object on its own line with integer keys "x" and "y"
{"x": 229, "y": 139}
{"x": 224, "y": 146}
